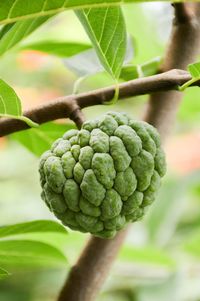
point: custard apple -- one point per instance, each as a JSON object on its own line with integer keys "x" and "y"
{"x": 104, "y": 176}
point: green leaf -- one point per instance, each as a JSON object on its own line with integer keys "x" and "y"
{"x": 5, "y": 29}
{"x": 56, "y": 239}
{"x": 151, "y": 67}
{"x": 107, "y": 32}
{"x": 14, "y": 10}
{"x": 194, "y": 70}
{"x": 49, "y": 232}
{"x": 39, "y": 226}
{"x": 10, "y": 105}
{"x": 131, "y": 71}
{"x": 25, "y": 253}
{"x": 148, "y": 255}
{"x": 12, "y": 35}
{"x": 3, "y": 274}
{"x": 39, "y": 140}
{"x": 9, "y": 101}
{"x": 61, "y": 49}
{"x": 69, "y": 244}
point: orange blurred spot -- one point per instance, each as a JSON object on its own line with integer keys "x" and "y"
{"x": 3, "y": 141}
{"x": 183, "y": 152}
{"x": 30, "y": 60}
{"x": 31, "y": 97}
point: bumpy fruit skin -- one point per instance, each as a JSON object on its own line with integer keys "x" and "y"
{"x": 104, "y": 176}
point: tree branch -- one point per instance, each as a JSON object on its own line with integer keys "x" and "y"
{"x": 87, "y": 276}
{"x": 182, "y": 12}
{"x": 78, "y": 117}
{"x": 69, "y": 106}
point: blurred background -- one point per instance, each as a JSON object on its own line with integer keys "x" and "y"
{"x": 160, "y": 259}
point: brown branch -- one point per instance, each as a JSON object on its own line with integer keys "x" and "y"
{"x": 182, "y": 12}
{"x": 78, "y": 117}
{"x": 87, "y": 276}
{"x": 69, "y": 106}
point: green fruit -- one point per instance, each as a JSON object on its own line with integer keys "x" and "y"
{"x": 102, "y": 177}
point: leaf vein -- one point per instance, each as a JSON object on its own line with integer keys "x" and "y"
{"x": 103, "y": 26}
{"x": 114, "y": 31}
{"x": 116, "y": 51}
{"x": 58, "y": 10}
{"x": 11, "y": 9}
{"x": 44, "y": 5}
{"x": 4, "y": 107}
{"x": 13, "y": 37}
{"x": 99, "y": 47}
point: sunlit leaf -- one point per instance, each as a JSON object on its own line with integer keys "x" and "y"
{"x": 5, "y": 29}
{"x": 10, "y": 104}
{"x": 9, "y": 101}
{"x": 43, "y": 226}
{"x": 25, "y": 253}
{"x": 132, "y": 71}
{"x": 14, "y": 10}
{"x": 151, "y": 67}
{"x": 106, "y": 30}
{"x": 129, "y": 72}
{"x": 194, "y": 70}
{"x": 12, "y": 35}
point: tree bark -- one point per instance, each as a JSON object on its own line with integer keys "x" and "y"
{"x": 87, "y": 276}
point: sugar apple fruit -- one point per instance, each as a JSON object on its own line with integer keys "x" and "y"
{"x": 104, "y": 176}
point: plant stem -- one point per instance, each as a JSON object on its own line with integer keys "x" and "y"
{"x": 27, "y": 120}
{"x": 189, "y": 83}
